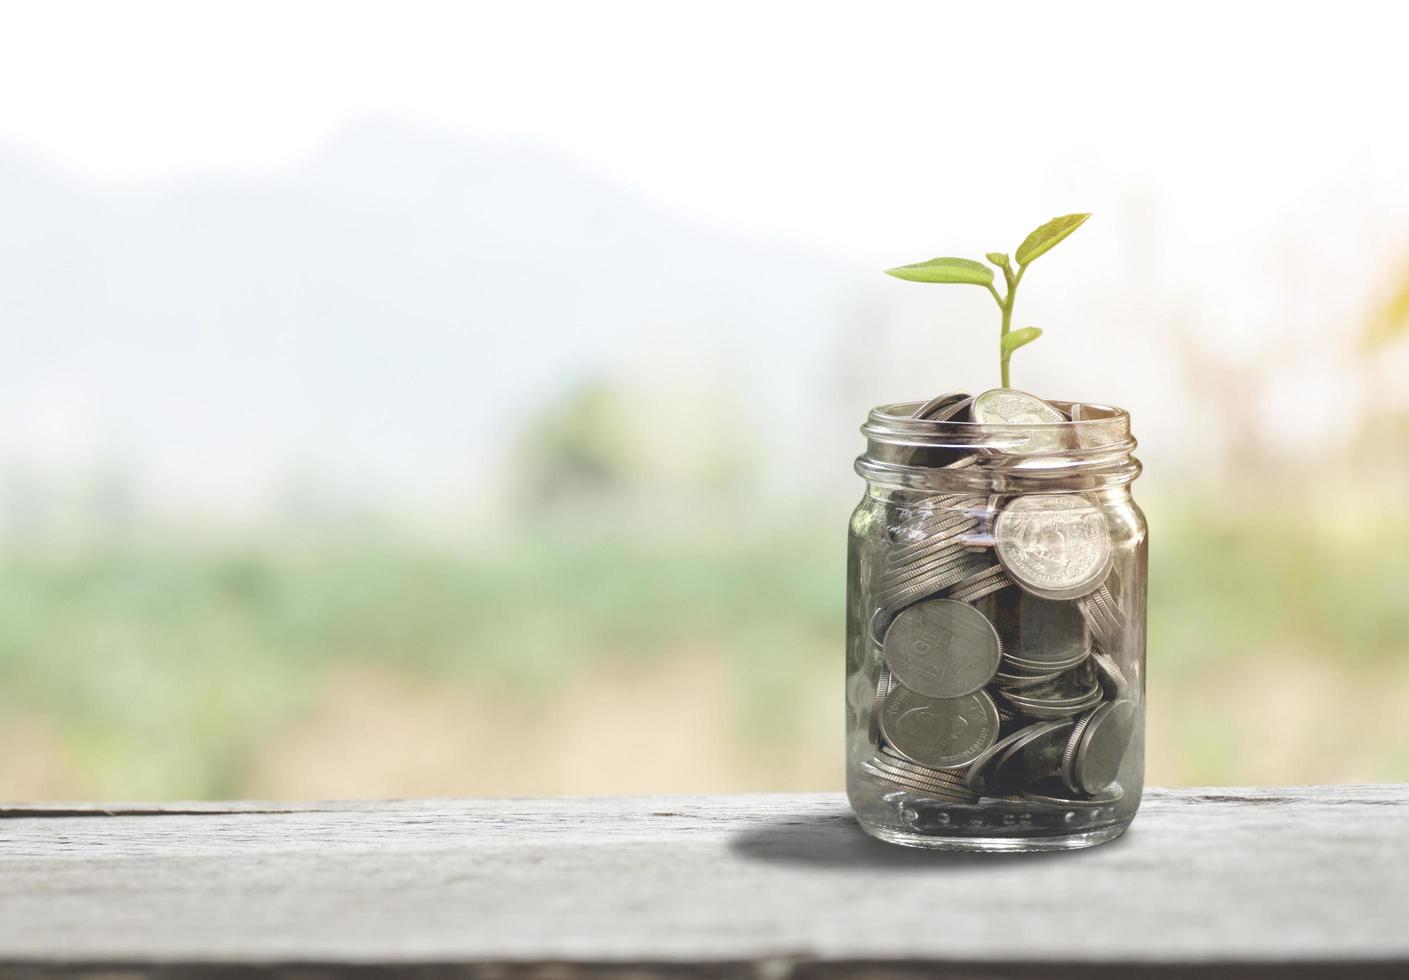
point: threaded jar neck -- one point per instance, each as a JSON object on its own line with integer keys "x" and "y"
{"x": 1093, "y": 451}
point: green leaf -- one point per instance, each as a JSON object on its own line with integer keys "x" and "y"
{"x": 1019, "y": 338}
{"x": 945, "y": 270}
{"x": 1048, "y": 235}
{"x": 1000, "y": 259}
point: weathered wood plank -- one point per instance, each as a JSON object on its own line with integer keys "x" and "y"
{"x": 1248, "y": 881}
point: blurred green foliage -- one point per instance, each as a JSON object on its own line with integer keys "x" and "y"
{"x": 166, "y": 670}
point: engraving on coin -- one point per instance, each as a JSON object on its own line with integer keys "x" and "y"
{"x": 1005, "y": 406}
{"x": 1008, "y": 406}
{"x": 1054, "y": 545}
{"x": 942, "y": 648}
{"x": 939, "y": 733}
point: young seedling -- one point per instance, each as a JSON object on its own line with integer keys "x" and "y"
{"x": 977, "y": 274}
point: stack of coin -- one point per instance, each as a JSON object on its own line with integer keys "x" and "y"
{"x": 999, "y": 629}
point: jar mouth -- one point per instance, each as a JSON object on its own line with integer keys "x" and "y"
{"x": 1091, "y": 449}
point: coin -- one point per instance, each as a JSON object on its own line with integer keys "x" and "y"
{"x": 894, "y": 600}
{"x": 983, "y": 576}
{"x": 1007, "y": 407}
{"x": 1056, "y": 546}
{"x": 923, "y": 539}
{"x": 1053, "y": 709}
{"x": 941, "y": 408}
{"x": 940, "y": 733}
{"x": 976, "y": 775}
{"x": 882, "y": 768}
{"x": 1112, "y": 678}
{"x": 1016, "y": 682}
{"x": 937, "y": 554}
{"x": 1102, "y": 613}
{"x": 942, "y": 648}
{"x": 947, "y": 777}
{"x": 884, "y": 682}
{"x": 978, "y": 592}
{"x": 1047, "y": 792}
{"x": 1069, "y": 753}
{"x": 1035, "y": 755}
{"x": 939, "y": 402}
{"x": 1104, "y": 600}
{"x": 928, "y": 582}
{"x": 955, "y": 411}
{"x": 1097, "y": 760}
{"x": 1040, "y": 635}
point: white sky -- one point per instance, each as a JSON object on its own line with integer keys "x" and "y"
{"x": 857, "y": 126}
{"x": 1251, "y": 160}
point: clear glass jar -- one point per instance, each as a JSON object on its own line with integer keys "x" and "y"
{"x": 995, "y": 673}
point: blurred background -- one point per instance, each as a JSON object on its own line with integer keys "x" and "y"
{"x": 461, "y": 399}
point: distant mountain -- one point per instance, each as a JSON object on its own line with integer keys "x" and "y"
{"x": 385, "y": 317}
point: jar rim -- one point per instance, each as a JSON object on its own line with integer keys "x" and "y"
{"x": 903, "y": 414}
{"x": 1093, "y": 449}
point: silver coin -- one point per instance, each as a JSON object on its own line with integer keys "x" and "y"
{"x": 880, "y": 619}
{"x": 894, "y": 582}
{"x": 939, "y": 791}
{"x": 1069, "y": 753}
{"x": 1112, "y": 678}
{"x": 1016, "y": 682}
{"x": 1013, "y": 664}
{"x": 1103, "y": 744}
{"x": 976, "y": 775}
{"x": 940, "y": 733}
{"x": 1110, "y": 610}
{"x": 1008, "y": 407}
{"x": 1033, "y": 756}
{"x": 1102, "y": 614}
{"x": 897, "y": 767}
{"x": 930, "y": 554}
{"x": 940, "y": 538}
{"x": 1053, "y": 712}
{"x": 885, "y": 680}
{"x": 896, "y": 596}
{"x": 1057, "y": 546}
{"x": 974, "y": 593}
{"x": 941, "y": 648}
{"x": 909, "y": 522}
{"x": 1067, "y": 687}
{"x": 939, "y": 402}
{"x": 951, "y": 777}
{"x": 944, "y": 506}
{"x": 981, "y": 577}
{"x": 894, "y": 599}
{"x": 1106, "y": 635}
{"x": 1044, "y": 793}
{"x": 955, "y": 411}
{"x": 1040, "y": 635}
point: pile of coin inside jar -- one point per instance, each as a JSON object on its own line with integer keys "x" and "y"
{"x": 999, "y": 626}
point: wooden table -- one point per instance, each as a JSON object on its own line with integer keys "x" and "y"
{"x": 1215, "y": 882}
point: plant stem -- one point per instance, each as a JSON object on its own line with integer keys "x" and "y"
{"x": 1006, "y": 305}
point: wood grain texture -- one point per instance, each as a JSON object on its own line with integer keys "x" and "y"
{"x": 1289, "y": 882}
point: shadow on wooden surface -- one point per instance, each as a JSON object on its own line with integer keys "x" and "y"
{"x": 828, "y": 841}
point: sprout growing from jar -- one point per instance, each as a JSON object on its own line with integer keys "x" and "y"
{"x": 977, "y": 274}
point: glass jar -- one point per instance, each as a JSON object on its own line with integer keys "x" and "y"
{"x": 995, "y": 676}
